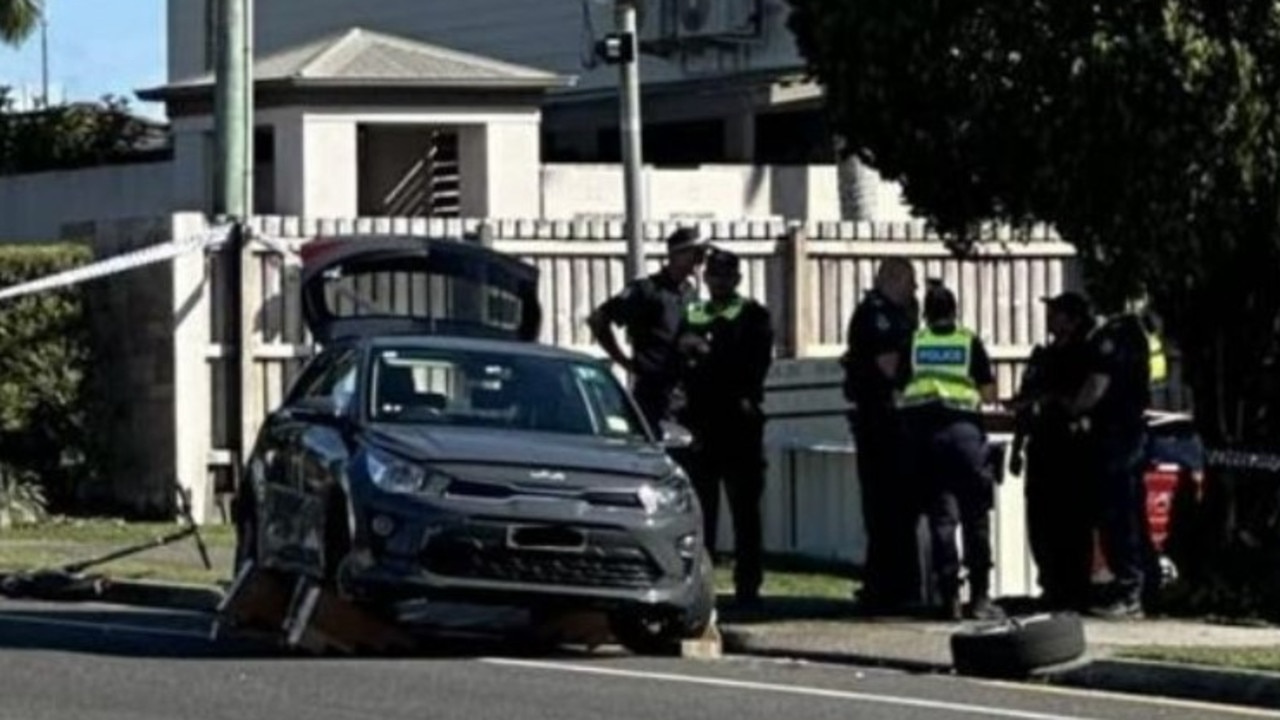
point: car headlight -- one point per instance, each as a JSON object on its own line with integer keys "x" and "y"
{"x": 673, "y": 495}
{"x": 397, "y": 475}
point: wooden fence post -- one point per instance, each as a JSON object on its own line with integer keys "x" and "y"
{"x": 192, "y": 389}
{"x": 796, "y": 331}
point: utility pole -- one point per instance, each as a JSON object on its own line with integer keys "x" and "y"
{"x": 232, "y": 106}
{"x": 234, "y": 125}
{"x": 44, "y": 57}
{"x": 628, "y": 59}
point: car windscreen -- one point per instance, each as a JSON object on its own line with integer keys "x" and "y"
{"x": 468, "y": 388}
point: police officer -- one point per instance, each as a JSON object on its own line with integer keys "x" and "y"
{"x": 727, "y": 343}
{"x": 1112, "y": 406}
{"x": 1059, "y": 513}
{"x": 879, "y": 337}
{"x": 950, "y": 379}
{"x": 651, "y": 310}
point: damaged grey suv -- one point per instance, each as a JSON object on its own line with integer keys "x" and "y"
{"x": 434, "y": 450}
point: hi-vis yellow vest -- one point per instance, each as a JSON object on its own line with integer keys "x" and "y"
{"x": 1157, "y": 360}
{"x": 940, "y": 371}
{"x": 700, "y": 313}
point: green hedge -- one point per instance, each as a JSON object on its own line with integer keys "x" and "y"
{"x": 46, "y": 408}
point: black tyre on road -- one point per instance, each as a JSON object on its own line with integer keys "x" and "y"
{"x": 1016, "y": 647}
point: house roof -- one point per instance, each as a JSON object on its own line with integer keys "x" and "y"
{"x": 360, "y": 58}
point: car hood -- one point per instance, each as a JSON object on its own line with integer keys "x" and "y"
{"x": 537, "y": 450}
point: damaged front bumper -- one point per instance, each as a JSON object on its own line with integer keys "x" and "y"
{"x": 559, "y": 554}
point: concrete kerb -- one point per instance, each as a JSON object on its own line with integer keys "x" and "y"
{"x": 1101, "y": 673}
{"x": 742, "y": 641}
{"x": 140, "y": 593}
{"x": 173, "y": 596}
{"x": 1137, "y": 677}
{"x": 1184, "y": 682}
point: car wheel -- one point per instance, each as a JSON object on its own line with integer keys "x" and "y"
{"x": 1015, "y": 647}
{"x": 660, "y": 633}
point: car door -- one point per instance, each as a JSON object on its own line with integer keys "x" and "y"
{"x": 293, "y": 486}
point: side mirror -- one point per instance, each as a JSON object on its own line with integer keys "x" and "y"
{"x": 675, "y": 436}
{"x": 316, "y": 409}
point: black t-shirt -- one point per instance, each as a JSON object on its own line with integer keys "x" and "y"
{"x": 1058, "y": 370}
{"x": 651, "y": 310}
{"x": 1119, "y": 350}
{"x": 877, "y": 327}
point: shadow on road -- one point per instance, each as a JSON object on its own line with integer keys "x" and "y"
{"x": 151, "y": 634}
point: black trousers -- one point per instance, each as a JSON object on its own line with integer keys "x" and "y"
{"x": 654, "y": 396}
{"x": 891, "y": 510}
{"x": 731, "y": 453}
{"x": 1119, "y": 457}
{"x": 960, "y": 493}
{"x": 1060, "y": 515}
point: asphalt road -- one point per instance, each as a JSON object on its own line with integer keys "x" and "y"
{"x": 102, "y": 663}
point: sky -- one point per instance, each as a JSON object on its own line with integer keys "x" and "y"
{"x": 96, "y": 47}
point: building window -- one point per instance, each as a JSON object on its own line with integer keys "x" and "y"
{"x": 793, "y": 138}
{"x": 694, "y": 142}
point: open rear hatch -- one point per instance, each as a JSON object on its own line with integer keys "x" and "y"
{"x": 399, "y": 285}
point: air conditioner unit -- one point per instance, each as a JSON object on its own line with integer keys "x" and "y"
{"x": 654, "y": 22}
{"x": 715, "y": 18}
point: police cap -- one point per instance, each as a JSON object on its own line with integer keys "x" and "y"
{"x": 722, "y": 263}
{"x": 939, "y": 301}
{"x": 1072, "y": 304}
{"x": 684, "y": 239}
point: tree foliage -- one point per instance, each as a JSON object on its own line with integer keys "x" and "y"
{"x": 68, "y": 136}
{"x": 1146, "y": 131}
{"x": 18, "y": 19}
{"x": 47, "y": 413}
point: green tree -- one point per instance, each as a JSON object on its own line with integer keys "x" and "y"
{"x": 69, "y": 136}
{"x": 18, "y": 19}
{"x": 1146, "y": 131}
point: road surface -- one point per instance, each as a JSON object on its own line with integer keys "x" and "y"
{"x": 88, "y": 662}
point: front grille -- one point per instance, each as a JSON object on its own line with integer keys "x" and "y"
{"x": 597, "y": 567}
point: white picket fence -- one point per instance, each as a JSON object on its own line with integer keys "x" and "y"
{"x": 811, "y": 276}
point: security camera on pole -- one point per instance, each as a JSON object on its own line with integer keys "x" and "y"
{"x": 622, "y": 49}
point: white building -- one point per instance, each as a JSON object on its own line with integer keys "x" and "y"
{"x": 722, "y": 83}
{"x": 484, "y": 108}
{"x": 721, "y": 77}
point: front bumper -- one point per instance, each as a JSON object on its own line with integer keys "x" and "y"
{"x": 460, "y": 551}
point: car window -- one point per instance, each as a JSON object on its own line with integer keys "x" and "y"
{"x": 501, "y": 391}
{"x": 332, "y": 376}
{"x": 314, "y": 372}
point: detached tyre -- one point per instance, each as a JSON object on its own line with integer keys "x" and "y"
{"x": 660, "y": 633}
{"x": 1014, "y": 648}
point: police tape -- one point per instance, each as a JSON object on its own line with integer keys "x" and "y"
{"x": 120, "y": 263}
{"x": 1242, "y": 460}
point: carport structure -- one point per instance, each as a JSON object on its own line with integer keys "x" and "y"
{"x": 362, "y": 123}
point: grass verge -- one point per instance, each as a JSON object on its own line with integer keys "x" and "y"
{"x": 59, "y": 542}
{"x": 1237, "y": 658}
{"x": 62, "y": 542}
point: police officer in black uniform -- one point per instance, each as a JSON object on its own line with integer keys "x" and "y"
{"x": 651, "y": 310}
{"x": 1111, "y": 407}
{"x": 951, "y": 378}
{"x": 1060, "y": 512}
{"x": 879, "y": 336}
{"x": 727, "y": 342}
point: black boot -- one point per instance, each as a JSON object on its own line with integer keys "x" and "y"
{"x": 980, "y": 605}
{"x": 950, "y": 609}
